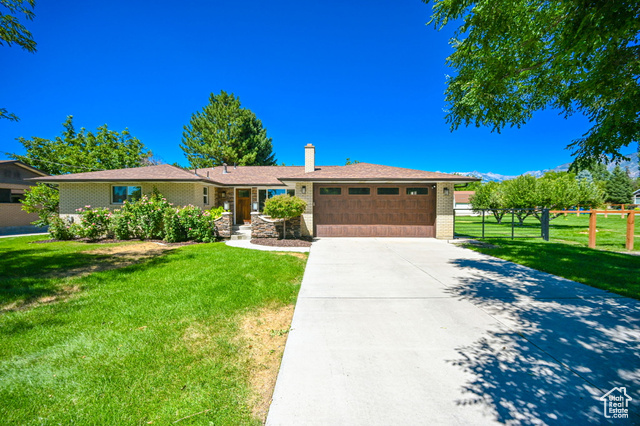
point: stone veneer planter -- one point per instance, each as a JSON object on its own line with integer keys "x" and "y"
{"x": 265, "y": 227}
{"x": 224, "y": 224}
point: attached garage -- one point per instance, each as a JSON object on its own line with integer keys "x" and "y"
{"x": 374, "y": 210}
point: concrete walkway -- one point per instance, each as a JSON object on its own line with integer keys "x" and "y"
{"x": 421, "y": 332}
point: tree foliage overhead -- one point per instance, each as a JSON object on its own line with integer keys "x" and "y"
{"x": 77, "y": 152}
{"x": 224, "y": 132}
{"x": 515, "y": 57}
{"x": 13, "y": 32}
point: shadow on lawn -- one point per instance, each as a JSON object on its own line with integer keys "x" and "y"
{"x": 558, "y": 347}
{"x": 29, "y": 277}
{"x": 607, "y": 270}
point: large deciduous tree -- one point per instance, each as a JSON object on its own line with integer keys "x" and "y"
{"x": 76, "y": 152}
{"x": 515, "y": 57}
{"x": 13, "y": 32}
{"x": 224, "y": 132}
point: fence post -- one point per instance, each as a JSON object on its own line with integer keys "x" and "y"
{"x": 482, "y": 223}
{"x": 622, "y": 208}
{"x": 578, "y": 210}
{"x": 592, "y": 230}
{"x": 606, "y": 208}
{"x": 630, "y": 229}
{"x": 544, "y": 222}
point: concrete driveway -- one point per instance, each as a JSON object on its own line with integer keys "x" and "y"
{"x": 419, "y": 331}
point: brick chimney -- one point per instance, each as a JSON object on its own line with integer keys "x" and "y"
{"x": 309, "y": 158}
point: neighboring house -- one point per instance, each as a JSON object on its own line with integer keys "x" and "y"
{"x": 636, "y": 197}
{"x": 462, "y": 203}
{"x": 358, "y": 200}
{"x": 13, "y": 184}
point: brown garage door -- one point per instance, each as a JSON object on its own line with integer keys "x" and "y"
{"x": 374, "y": 210}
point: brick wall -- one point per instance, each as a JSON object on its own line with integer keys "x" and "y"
{"x": 76, "y": 195}
{"x": 306, "y": 220}
{"x": 444, "y": 211}
{"x": 11, "y": 214}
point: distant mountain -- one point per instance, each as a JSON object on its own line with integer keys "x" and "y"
{"x": 631, "y": 165}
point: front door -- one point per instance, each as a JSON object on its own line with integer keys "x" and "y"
{"x": 243, "y": 205}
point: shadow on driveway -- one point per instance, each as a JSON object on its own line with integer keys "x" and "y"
{"x": 589, "y": 338}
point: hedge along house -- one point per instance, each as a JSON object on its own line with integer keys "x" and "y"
{"x": 357, "y": 200}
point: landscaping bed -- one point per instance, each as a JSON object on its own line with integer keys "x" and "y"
{"x": 273, "y": 242}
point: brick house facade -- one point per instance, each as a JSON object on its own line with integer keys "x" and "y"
{"x": 354, "y": 200}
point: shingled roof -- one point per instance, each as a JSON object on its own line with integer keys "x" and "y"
{"x": 368, "y": 172}
{"x": 258, "y": 175}
{"x": 163, "y": 172}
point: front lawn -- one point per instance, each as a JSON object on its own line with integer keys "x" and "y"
{"x": 615, "y": 272}
{"x": 153, "y": 342}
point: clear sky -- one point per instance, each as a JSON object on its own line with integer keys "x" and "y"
{"x": 359, "y": 79}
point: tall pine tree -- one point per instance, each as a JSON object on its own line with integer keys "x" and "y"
{"x": 224, "y": 132}
{"x": 619, "y": 187}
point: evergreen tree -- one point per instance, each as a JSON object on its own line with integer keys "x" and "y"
{"x": 619, "y": 187}
{"x": 224, "y": 132}
{"x": 585, "y": 175}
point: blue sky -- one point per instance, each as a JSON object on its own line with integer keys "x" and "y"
{"x": 358, "y": 79}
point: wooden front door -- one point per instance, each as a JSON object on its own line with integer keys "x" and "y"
{"x": 243, "y": 205}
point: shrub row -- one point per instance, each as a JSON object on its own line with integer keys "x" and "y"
{"x": 151, "y": 217}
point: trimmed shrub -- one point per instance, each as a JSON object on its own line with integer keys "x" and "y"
{"x": 284, "y": 207}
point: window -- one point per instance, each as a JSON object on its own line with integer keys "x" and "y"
{"x": 330, "y": 191}
{"x": 264, "y": 194}
{"x": 359, "y": 191}
{"x": 205, "y": 195}
{"x": 388, "y": 191}
{"x": 244, "y": 193}
{"x": 5, "y": 195}
{"x": 125, "y": 193}
{"x": 418, "y": 191}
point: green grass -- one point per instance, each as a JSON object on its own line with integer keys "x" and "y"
{"x": 615, "y": 272}
{"x": 151, "y": 342}
{"x": 572, "y": 229}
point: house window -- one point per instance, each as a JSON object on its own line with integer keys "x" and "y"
{"x": 418, "y": 191}
{"x": 330, "y": 191}
{"x": 388, "y": 191}
{"x": 5, "y": 195}
{"x": 205, "y": 195}
{"x": 265, "y": 194}
{"x": 120, "y": 194}
{"x": 359, "y": 191}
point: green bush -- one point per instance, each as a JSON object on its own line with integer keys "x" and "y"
{"x": 284, "y": 207}
{"x": 61, "y": 229}
{"x": 43, "y": 200}
{"x": 146, "y": 216}
{"x": 190, "y": 223}
{"x": 94, "y": 222}
{"x": 122, "y": 224}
